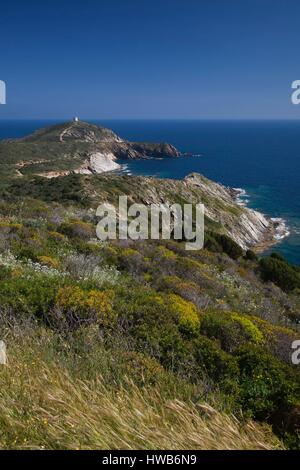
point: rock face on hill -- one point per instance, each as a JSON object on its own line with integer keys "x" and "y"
{"x": 249, "y": 228}
{"x": 78, "y": 147}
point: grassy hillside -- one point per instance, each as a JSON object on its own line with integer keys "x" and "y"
{"x": 139, "y": 344}
{"x": 76, "y": 393}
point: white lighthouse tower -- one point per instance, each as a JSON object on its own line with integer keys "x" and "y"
{"x": 76, "y": 119}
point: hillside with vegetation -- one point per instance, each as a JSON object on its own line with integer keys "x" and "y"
{"x": 142, "y": 344}
{"x": 73, "y": 147}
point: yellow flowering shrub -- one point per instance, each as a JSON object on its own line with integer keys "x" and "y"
{"x": 49, "y": 261}
{"x": 91, "y": 304}
{"x": 165, "y": 252}
{"x": 188, "y": 314}
{"x": 56, "y": 236}
{"x": 129, "y": 252}
{"x": 16, "y": 272}
{"x": 231, "y": 329}
{"x": 249, "y": 327}
{"x": 8, "y": 227}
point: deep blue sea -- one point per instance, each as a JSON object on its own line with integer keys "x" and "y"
{"x": 262, "y": 157}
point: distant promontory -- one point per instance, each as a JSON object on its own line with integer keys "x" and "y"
{"x": 75, "y": 147}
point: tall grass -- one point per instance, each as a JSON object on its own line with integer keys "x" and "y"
{"x": 48, "y": 400}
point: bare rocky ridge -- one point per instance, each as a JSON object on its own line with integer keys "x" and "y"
{"x": 246, "y": 226}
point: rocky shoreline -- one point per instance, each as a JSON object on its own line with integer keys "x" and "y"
{"x": 277, "y": 229}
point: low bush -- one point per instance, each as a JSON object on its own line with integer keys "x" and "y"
{"x": 5, "y": 272}
{"x": 221, "y": 243}
{"x": 277, "y": 339}
{"x": 79, "y": 307}
{"x": 188, "y": 316}
{"x": 221, "y": 367}
{"x": 29, "y": 295}
{"x": 231, "y": 329}
{"x": 267, "y": 386}
{"x": 154, "y": 325}
{"x": 56, "y": 394}
{"x": 251, "y": 255}
{"x": 78, "y": 229}
{"x": 49, "y": 261}
{"x": 130, "y": 260}
{"x": 279, "y": 271}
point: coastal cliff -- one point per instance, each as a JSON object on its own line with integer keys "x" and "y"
{"x": 248, "y": 227}
{"x": 223, "y": 214}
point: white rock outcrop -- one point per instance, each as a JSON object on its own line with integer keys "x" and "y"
{"x": 249, "y": 228}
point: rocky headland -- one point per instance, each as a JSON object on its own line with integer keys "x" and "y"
{"x": 80, "y": 148}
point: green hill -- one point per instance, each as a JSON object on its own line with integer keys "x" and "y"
{"x": 68, "y": 147}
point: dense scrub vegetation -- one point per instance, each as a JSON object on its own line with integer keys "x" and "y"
{"x": 147, "y": 322}
{"x": 276, "y": 269}
{"x": 75, "y": 391}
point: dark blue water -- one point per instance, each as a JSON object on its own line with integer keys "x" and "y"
{"x": 263, "y": 157}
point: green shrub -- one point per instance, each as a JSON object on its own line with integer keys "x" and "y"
{"x": 211, "y": 244}
{"x": 188, "y": 316}
{"x": 7, "y": 227}
{"x": 130, "y": 260}
{"x": 221, "y": 243}
{"x": 5, "y": 272}
{"x": 231, "y": 329}
{"x": 83, "y": 307}
{"x": 49, "y": 261}
{"x": 78, "y": 229}
{"x": 153, "y": 325}
{"x": 229, "y": 246}
{"x": 30, "y": 295}
{"x": 144, "y": 369}
{"x": 251, "y": 256}
{"x": 221, "y": 367}
{"x": 276, "y": 269}
{"x": 267, "y": 385}
{"x": 277, "y": 339}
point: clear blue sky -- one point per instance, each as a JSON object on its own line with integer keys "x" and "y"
{"x": 149, "y": 58}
